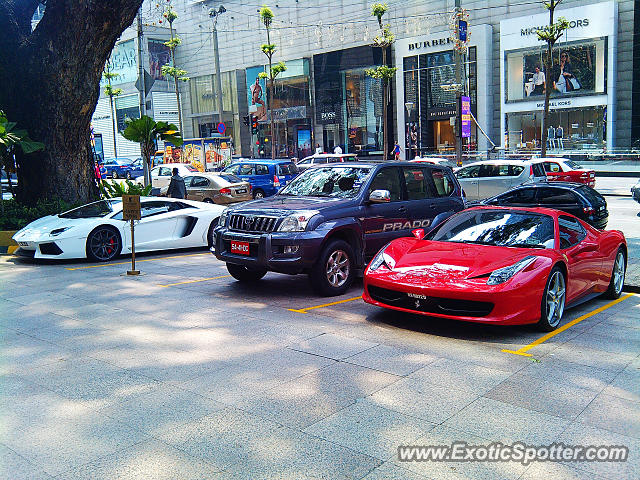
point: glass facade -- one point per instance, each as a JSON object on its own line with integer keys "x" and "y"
{"x": 127, "y": 106}
{"x": 204, "y": 110}
{"x": 569, "y": 129}
{"x": 429, "y": 107}
{"x": 349, "y": 103}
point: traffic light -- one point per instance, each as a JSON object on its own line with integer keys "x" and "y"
{"x": 254, "y": 124}
{"x": 246, "y": 120}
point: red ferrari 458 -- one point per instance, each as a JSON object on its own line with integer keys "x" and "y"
{"x": 498, "y": 265}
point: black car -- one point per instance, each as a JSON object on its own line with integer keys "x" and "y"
{"x": 332, "y": 218}
{"x": 574, "y": 198}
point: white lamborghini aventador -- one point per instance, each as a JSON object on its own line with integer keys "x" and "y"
{"x": 97, "y": 231}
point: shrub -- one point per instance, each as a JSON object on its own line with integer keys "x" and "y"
{"x": 17, "y": 215}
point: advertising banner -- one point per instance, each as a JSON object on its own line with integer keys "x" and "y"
{"x": 159, "y": 55}
{"x": 205, "y": 154}
{"x": 465, "y": 113}
{"x": 256, "y": 93}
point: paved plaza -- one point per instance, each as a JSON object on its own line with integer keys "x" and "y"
{"x": 183, "y": 373}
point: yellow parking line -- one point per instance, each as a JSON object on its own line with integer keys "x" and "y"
{"x": 137, "y": 261}
{"x": 193, "y": 281}
{"x": 523, "y": 351}
{"x": 305, "y": 310}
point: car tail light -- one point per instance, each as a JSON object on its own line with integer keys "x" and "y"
{"x": 276, "y": 181}
{"x": 588, "y": 211}
{"x": 225, "y": 191}
{"x": 531, "y": 171}
{"x": 250, "y": 187}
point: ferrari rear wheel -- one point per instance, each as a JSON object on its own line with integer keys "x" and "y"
{"x": 103, "y": 244}
{"x": 553, "y": 300}
{"x": 617, "y": 276}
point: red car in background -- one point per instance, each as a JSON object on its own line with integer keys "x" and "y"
{"x": 498, "y": 265}
{"x": 565, "y": 170}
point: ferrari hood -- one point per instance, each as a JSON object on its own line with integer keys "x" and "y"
{"x": 449, "y": 260}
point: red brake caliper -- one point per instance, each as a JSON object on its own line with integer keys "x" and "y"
{"x": 111, "y": 242}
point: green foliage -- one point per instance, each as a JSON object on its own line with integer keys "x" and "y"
{"x": 175, "y": 72}
{"x": 263, "y": 75}
{"x": 378, "y": 10}
{"x": 146, "y": 131}
{"x": 173, "y": 43}
{"x": 10, "y": 139}
{"x": 385, "y": 38}
{"x": 382, "y": 72}
{"x": 17, "y": 215}
{"x": 268, "y": 49}
{"x": 116, "y": 189}
{"x": 550, "y": 34}
{"x": 277, "y": 69}
{"x": 112, "y": 92}
{"x": 266, "y": 15}
{"x": 170, "y": 15}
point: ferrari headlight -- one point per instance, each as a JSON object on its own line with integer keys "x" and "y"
{"x": 503, "y": 274}
{"x": 58, "y": 231}
{"x": 222, "y": 221}
{"x": 297, "y": 221}
{"x": 382, "y": 258}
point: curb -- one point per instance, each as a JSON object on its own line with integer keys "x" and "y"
{"x": 7, "y": 245}
{"x": 631, "y": 288}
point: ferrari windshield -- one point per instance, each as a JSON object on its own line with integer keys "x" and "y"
{"x": 504, "y": 228}
{"x": 92, "y": 210}
{"x": 336, "y": 182}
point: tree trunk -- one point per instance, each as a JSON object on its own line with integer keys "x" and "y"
{"x": 548, "y": 82}
{"x": 175, "y": 81}
{"x": 50, "y": 84}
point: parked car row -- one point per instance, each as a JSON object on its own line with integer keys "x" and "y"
{"x": 405, "y": 226}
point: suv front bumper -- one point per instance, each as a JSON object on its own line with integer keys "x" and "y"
{"x": 266, "y": 251}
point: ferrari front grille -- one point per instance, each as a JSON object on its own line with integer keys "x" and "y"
{"x": 443, "y": 306}
{"x": 252, "y": 223}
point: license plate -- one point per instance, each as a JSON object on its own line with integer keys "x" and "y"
{"x": 417, "y": 295}
{"x": 241, "y": 248}
{"x": 241, "y": 190}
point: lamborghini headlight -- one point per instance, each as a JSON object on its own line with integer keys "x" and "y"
{"x": 58, "y": 231}
{"x": 503, "y": 274}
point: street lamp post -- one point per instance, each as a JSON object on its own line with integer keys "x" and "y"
{"x": 214, "y": 14}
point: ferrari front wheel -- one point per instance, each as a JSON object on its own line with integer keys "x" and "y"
{"x": 617, "y": 276}
{"x": 103, "y": 244}
{"x": 553, "y": 300}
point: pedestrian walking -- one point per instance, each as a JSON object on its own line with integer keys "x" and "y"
{"x": 318, "y": 149}
{"x": 396, "y": 151}
{"x": 337, "y": 150}
{"x": 177, "y": 188}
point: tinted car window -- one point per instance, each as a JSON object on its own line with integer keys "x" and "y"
{"x": 551, "y": 167}
{"x": 148, "y": 209}
{"x": 164, "y": 172}
{"x": 592, "y": 196}
{"x": 387, "y": 179}
{"x": 549, "y": 196}
{"x": 514, "y": 170}
{"x": 199, "y": 182}
{"x": 491, "y": 170}
{"x": 286, "y": 169}
{"x": 538, "y": 170}
{"x": 442, "y": 182}
{"x": 571, "y": 231}
{"x": 233, "y": 169}
{"x": 262, "y": 170}
{"x": 416, "y": 182}
{"x": 521, "y": 196}
{"x": 245, "y": 169}
{"x": 468, "y": 172}
{"x": 92, "y": 210}
{"x": 187, "y": 181}
{"x": 230, "y": 178}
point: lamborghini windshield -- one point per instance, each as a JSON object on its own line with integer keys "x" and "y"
{"x": 92, "y": 210}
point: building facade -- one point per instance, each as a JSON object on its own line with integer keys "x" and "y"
{"x": 326, "y": 98}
